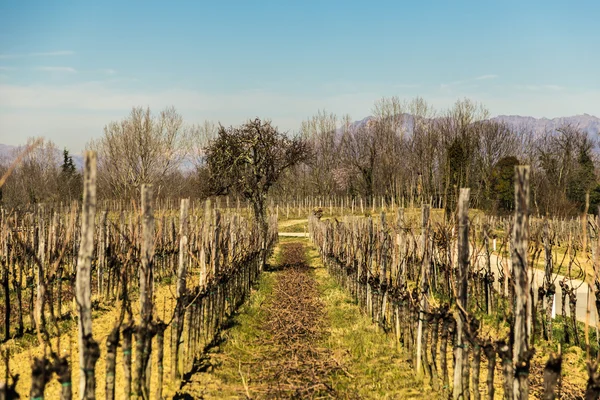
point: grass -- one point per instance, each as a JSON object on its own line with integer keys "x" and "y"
{"x": 375, "y": 367}
{"x": 23, "y": 350}
{"x": 295, "y": 228}
{"x": 225, "y": 370}
{"x": 371, "y": 365}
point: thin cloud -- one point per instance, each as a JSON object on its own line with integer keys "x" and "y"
{"x": 108, "y": 71}
{"x": 465, "y": 81}
{"x": 406, "y": 85}
{"x": 38, "y": 54}
{"x": 52, "y": 53}
{"x": 538, "y": 88}
{"x": 2, "y": 68}
{"x": 56, "y": 69}
{"x": 488, "y": 76}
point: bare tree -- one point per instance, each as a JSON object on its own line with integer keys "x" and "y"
{"x": 559, "y": 153}
{"x": 360, "y": 152}
{"x": 142, "y": 148}
{"x": 423, "y": 150}
{"x": 388, "y": 124}
{"x": 320, "y": 132}
{"x": 249, "y": 160}
{"x": 197, "y": 139}
{"x": 460, "y": 143}
{"x": 36, "y": 178}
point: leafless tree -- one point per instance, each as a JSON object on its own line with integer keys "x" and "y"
{"x": 249, "y": 160}
{"x": 360, "y": 152}
{"x": 35, "y": 178}
{"x": 197, "y": 139}
{"x": 320, "y": 132}
{"x": 423, "y": 150}
{"x": 389, "y": 134}
{"x": 142, "y": 148}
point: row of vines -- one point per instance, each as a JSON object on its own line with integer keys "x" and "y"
{"x": 66, "y": 265}
{"x": 462, "y": 299}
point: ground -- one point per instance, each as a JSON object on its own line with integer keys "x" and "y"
{"x": 301, "y": 336}
{"x": 298, "y": 335}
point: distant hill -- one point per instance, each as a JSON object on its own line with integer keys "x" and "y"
{"x": 587, "y": 123}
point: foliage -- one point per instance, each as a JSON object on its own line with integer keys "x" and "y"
{"x": 584, "y": 177}
{"x": 71, "y": 184}
{"x": 503, "y": 183}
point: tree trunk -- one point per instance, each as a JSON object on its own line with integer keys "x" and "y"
{"x": 260, "y": 215}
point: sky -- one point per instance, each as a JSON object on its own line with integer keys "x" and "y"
{"x": 68, "y": 68}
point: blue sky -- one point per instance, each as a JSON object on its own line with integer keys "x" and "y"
{"x": 67, "y": 68}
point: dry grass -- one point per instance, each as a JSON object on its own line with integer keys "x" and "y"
{"x": 22, "y": 355}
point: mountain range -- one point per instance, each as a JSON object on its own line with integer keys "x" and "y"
{"x": 587, "y": 123}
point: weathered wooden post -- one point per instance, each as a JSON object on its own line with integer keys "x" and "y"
{"x": 384, "y": 281}
{"x": 521, "y": 351}
{"x": 423, "y": 287}
{"x": 489, "y": 288}
{"x": 89, "y": 351}
{"x": 146, "y": 273}
{"x": 549, "y": 286}
{"x": 181, "y": 289}
{"x": 458, "y": 391}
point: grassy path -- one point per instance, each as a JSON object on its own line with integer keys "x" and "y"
{"x": 300, "y": 336}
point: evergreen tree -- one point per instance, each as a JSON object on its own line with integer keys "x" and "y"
{"x": 503, "y": 178}
{"x": 70, "y": 180}
{"x": 68, "y": 166}
{"x": 584, "y": 177}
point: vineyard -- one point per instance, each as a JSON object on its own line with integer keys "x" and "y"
{"x": 299, "y": 200}
{"x": 435, "y": 288}
{"x": 140, "y": 294}
{"x": 147, "y": 275}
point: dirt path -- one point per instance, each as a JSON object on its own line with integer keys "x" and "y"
{"x": 281, "y": 356}
{"x": 300, "y": 336}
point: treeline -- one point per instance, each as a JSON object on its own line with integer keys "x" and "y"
{"x": 405, "y": 152}
{"x": 408, "y": 150}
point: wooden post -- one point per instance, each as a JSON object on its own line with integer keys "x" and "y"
{"x": 181, "y": 288}
{"x": 461, "y": 298}
{"x": 489, "y": 289}
{"x": 40, "y": 275}
{"x": 89, "y": 351}
{"x": 423, "y": 287}
{"x": 384, "y": 281}
{"x": 549, "y": 286}
{"x": 521, "y": 351}
{"x": 143, "y": 334}
{"x": 147, "y": 255}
